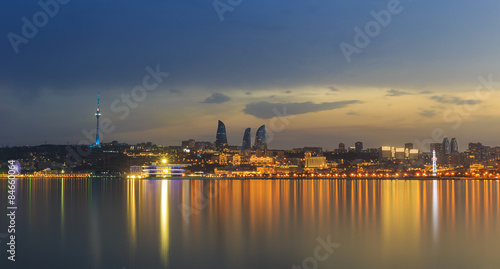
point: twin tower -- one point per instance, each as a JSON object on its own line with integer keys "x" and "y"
{"x": 260, "y": 138}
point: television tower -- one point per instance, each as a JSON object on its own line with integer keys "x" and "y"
{"x": 97, "y": 115}
{"x": 434, "y": 163}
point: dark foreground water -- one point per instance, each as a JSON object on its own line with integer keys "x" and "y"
{"x": 119, "y": 223}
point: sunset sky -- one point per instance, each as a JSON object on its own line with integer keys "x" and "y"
{"x": 424, "y": 70}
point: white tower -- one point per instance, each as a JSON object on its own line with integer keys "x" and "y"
{"x": 434, "y": 163}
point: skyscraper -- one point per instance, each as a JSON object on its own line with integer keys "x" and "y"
{"x": 221, "y": 137}
{"x": 261, "y": 138}
{"x": 408, "y": 145}
{"x": 446, "y": 146}
{"x": 341, "y": 147}
{"x": 247, "y": 140}
{"x": 438, "y": 147}
{"x": 358, "y": 146}
{"x": 98, "y": 115}
{"x": 454, "y": 145}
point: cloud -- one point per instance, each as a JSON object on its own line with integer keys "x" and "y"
{"x": 352, "y": 113}
{"x": 333, "y": 89}
{"x": 266, "y": 110}
{"x": 288, "y": 91}
{"x": 248, "y": 93}
{"x": 217, "y": 98}
{"x": 427, "y": 113}
{"x": 446, "y": 99}
{"x": 393, "y": 92}
{"x": 425, "y": 92}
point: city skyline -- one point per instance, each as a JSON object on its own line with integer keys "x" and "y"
{"x": 250, "y": 134}
{"x": 419, "y": 73}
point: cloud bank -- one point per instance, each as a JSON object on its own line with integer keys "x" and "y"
{"x": 266, "y": 110}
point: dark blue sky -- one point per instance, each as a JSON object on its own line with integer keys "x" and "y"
{"x": 264, "y": 55}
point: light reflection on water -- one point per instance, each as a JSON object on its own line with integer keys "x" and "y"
{"x": 117, "y": 223}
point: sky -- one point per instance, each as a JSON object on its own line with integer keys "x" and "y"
{"x": 315, "y": 72}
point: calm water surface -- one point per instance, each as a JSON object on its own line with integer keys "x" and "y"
{"x": 119, "y": 223}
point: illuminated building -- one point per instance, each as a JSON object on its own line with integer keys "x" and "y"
{"x": 261, "y": 139}
{"x": 221, "y": 138}
{"x": 413, "y": 154}
{"x": 247, "y": 140}
{"x": 386, "y": 152}
{"x": 163, "y": 170}
{"x": 454, "y": 145}
{"x": 314, "y": 162}
{"x": 261, "y": 160}
{"x": 400, "y": 153}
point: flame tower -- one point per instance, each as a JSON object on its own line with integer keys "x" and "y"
{"x": 97, "y": 115}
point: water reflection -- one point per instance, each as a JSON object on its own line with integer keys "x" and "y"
{"x": 102, "y": 223}
{"x": 164, "y": 223}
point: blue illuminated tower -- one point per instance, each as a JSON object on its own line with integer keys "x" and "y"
{"x": 247, "y": 140}
{"x": 261, "y": 138}
{"x": 97, "y": 115}
{"x": 221, "y": 137}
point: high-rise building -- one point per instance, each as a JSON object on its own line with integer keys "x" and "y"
{"x": 358, "y": 146}
{"x": 408, "y": 145}
{"x": 261, "y": 138}
{"x": 413, "y": 154}
{"x": 97, "y": 115}
{"x": 341, "y": 147}
{"x": 221, "y": 138}
{"x": 446, "y": 146}
{"x": 247, "y": 140}
{"x": 438, "y": 147}
{"x": 454, "y": 145}
{"x": 400, "y": 154}
{"x": 477, "y": 150}
{"x": 386, "y": 153}
{"x": 188, "y": 144}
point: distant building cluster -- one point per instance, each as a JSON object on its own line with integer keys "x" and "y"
{"x": 219, "y": 158}
{"x": 395, "y": 153}
{"x": 260, "y": 139}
